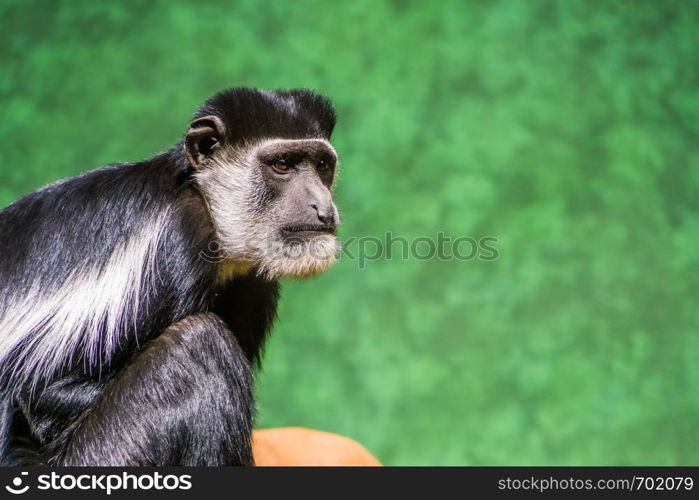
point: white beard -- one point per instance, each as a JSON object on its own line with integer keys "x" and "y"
{"x": 299, "y": 258}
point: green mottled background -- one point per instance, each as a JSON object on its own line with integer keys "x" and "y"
{"x": 568, "y": 130}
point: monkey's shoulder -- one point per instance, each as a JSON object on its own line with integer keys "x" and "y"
{"x": 124, "y": 211}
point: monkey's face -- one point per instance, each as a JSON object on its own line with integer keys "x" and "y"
{"x": 271, "y": 204}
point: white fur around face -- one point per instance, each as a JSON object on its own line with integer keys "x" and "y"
{"x": 90, "y": 313}
{"x": 248, "y": 238}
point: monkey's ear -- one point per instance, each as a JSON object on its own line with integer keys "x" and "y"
{"x": 204, "y": 137}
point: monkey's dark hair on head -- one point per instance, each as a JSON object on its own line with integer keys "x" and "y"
{"x": 256, "y": 114}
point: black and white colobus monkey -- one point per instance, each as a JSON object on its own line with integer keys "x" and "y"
{"x": 135, "y": 299}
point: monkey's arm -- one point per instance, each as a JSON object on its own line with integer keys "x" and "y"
{"x": 186, "y": 399}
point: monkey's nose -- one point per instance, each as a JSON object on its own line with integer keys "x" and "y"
{"x": 324, "y": 215}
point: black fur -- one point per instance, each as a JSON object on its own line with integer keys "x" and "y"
{"x": 292, "y": 114}
{"x": 178, "y": 388}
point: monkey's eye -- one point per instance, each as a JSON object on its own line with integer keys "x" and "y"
{"x": 281, "y": 165}
{"x": 323, "y": 166}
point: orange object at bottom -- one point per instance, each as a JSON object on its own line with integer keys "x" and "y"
{"x": 296, "y": 446}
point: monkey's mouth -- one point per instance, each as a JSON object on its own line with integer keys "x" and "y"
{"x": 307, "y": 230}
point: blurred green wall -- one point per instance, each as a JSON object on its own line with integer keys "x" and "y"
{"x": 568, "y": 130}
